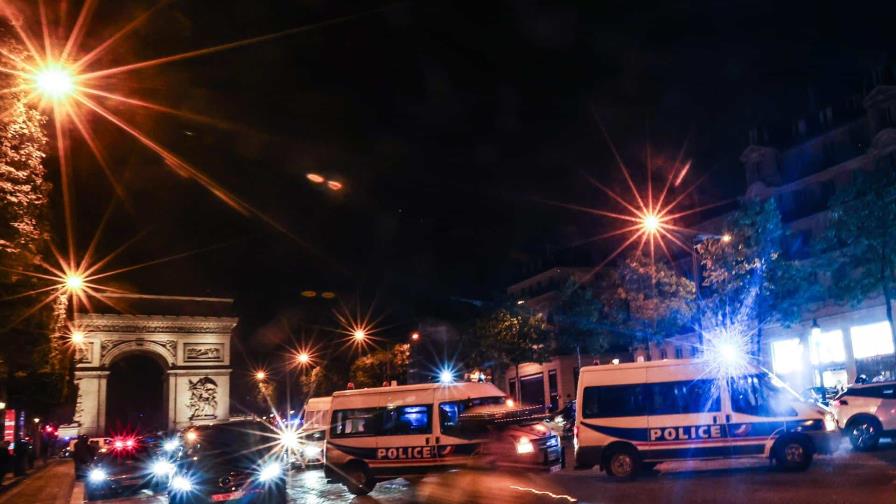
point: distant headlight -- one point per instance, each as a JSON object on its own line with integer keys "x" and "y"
{"x": 181, "y": 484}
{"x": 830, "y": 423}
{"x": 311, "y": 451}
{"x": 163, "y": 468}
{"x": 170, "y": 445}
{"x": 269, "y": 471}
{"x": 96, "y": 476}
{"x": 524, "y": 446}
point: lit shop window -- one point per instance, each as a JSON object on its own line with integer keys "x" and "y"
{"x": 787, "y": 356}
{"x": 871, "y": 339}
{"x": 826, "y": 347}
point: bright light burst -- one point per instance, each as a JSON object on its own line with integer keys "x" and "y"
{"x": 359, "y": 329}
{"x": 54, "y": 82}
{"x": 649, "y": 219}
{"x": 59, "y": 75}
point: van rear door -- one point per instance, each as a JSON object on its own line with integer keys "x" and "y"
{"x": 685, "y": 417}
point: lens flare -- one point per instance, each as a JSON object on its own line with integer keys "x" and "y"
{"x": 54, "y": 82}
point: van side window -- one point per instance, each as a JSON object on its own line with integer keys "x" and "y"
{"x": 407, "y": 420}
{"x": 357, "y": 422}
{"x": 758, "y": 395}
{"x": 615, "y": 401}
{"x": 675, "y": 398}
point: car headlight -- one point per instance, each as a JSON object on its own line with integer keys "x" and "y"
{"x": 830, "y": 423}
{"x": 162, "y": 468}
{"x": 96, "y": 475}
{"x": 524, "y": 446}
{"x": 270, "y": 471}
{"x": 311, "y": 451}
{"x": 170, "y": 445}
{"x": 181, "y": 484}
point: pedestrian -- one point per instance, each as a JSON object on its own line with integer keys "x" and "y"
{"x": 4, "y": 460}
{"x": 81, "y": 454}
{"x": 20, "y": 457}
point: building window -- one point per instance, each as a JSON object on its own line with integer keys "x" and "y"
{"x": 787, "y": 355}
{"x": 694, "y": 351}
{"x": 679, "y": 353}
{"x": 871, "y": 340}
{"x": 511, "y": 388}
{"x": 663, "y": 354}
{"x": 826, "y": 347}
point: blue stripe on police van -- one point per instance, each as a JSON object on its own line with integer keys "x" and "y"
{"x": 707, "y": 432}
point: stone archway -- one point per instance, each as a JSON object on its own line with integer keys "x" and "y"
{"x": 196, "y": 356}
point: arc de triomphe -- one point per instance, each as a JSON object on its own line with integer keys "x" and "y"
{"x": 193, "y": 350}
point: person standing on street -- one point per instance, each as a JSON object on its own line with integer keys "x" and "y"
{"x": 20, "y": 457}
{"x": 4, "y": 460}
{"x": 82, "y": 455}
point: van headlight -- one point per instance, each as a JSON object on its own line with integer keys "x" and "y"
{"x": 524, "y": 446}
{"x": 830, "y": 423}
{"x": 96, "y": 475}
{"x": 311, "y": 451}
{"x": 270, "y": 471}
{"x": 162, "y": 468}
{"x": 181, "y": 484}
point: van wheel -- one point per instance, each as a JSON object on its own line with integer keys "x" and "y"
{"x": 623, "y": 463}
{"x": 357, "y": 479}
{"x": 864, "y": 433}
{"x": 793, "y": 454}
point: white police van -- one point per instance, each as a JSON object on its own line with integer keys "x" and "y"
{"x": 410, "y": 430}
{"x": 633, "y": 416}
{"x": 316, "y": 419}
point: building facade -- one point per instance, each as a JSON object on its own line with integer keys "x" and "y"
{"x": 827, "y": 148}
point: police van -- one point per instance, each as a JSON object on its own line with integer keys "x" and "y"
{"x": 410, "y": 430}
{"x": 634, "y": 416}
{"x": 316, "y": 418}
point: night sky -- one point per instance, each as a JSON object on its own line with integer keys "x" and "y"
{"x": 449, "y": 124}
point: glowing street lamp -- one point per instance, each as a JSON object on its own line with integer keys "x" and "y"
{"x": 74, "y": 282}
{"x": 303, "y": 358}
{"x": 726, "y": 238}
{"x": 359, "y": 335}
{"x": 650, "y": 223}
{"x": 54, "y": 82}
{"x": 260, "y": 375}
{"x": 415, "y": 336}
{"x": 77, "y": 337}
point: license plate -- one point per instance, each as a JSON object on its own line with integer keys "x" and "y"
{"x": 555, "y": 468}
{"x": 228, "y": 496}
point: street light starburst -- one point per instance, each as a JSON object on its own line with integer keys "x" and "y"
{"x": 647, "y": 219}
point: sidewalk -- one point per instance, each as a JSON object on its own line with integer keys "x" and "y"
{"x": 44, "y": 485}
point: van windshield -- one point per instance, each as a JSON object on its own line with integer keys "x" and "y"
{"x": 451, "y": 415}
{"x": 762, "y": 395}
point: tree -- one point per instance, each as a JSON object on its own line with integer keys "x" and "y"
{"x": 579, "y": 322}
{"x": 510, "y": 337}
{"x": 381, "y": 365}
{"x": 36, "y": 370}
{"x": 648, "y": 299}
{"x": 860, "y": 243}
{"x": 748, "y": 278}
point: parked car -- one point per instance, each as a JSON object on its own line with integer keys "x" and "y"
{"x": 865, "y": 412}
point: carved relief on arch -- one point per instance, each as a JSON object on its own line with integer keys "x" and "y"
{"x": 112, "y": 349}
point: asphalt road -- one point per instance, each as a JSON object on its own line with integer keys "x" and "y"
{"x": 845, "y": 477}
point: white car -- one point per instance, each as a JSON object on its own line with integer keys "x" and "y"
{"x": 864, "y": 412}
